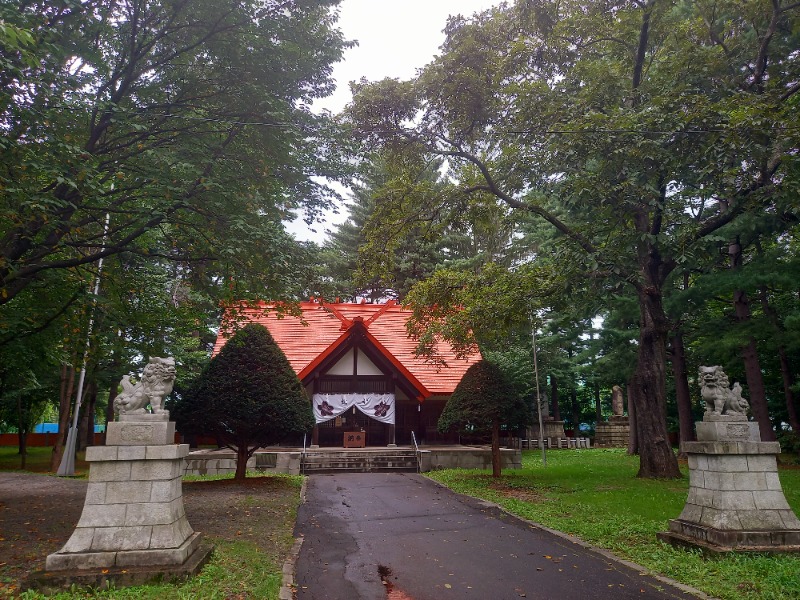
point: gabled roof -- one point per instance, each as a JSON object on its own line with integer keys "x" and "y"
{"x": 329, "y": 325}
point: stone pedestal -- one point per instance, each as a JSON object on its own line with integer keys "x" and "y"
{"x": 614, "y": 434}
{"x": 551, "y": 427}
{"x": 133, "y": 518}
{"x": 735, "y": 500}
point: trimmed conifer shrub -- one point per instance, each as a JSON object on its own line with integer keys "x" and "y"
{"x": 483, "y": 401}
{"x": 248, "y": 397}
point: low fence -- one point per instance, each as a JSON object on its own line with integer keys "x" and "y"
{"x": 567, "y": 442}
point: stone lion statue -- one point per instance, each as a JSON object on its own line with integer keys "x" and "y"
{"x": 719, "y": 398}
{"x": 157, "y": 380}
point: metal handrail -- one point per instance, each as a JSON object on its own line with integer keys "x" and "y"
{"x": 303, "y": 456}
{"x": 417, "y": 452}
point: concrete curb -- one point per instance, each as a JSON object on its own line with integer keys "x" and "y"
{"x": 575, "y": 540}
{"x": 287, "y": 583}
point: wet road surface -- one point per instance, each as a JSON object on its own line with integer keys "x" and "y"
{"x": 376, "y": 536}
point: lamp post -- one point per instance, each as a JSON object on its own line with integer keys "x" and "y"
{"x": 538, "y": 394}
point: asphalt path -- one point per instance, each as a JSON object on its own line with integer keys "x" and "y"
{"x": 374, "y": 536}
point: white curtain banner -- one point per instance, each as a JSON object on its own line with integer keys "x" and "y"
{"x": 376, "y": 406}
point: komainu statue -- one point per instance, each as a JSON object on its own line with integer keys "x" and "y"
{"x": 157, "y": 380}
{"x": 718, "y": 397}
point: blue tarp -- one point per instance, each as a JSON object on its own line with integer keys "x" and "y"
{"x": 53, "y": 428}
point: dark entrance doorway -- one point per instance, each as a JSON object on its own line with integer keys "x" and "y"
{"x": 331, "y": 433}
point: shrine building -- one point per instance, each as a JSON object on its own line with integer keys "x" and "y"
{"x": 358, "y": 366}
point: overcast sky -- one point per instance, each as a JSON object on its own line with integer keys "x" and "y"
{"x": 395, "y": 38}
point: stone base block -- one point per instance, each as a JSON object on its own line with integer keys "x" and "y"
{"x": 101, "y": 578}
{"x": 140, "y": 433}
{"x": 552, "y": 429}
{"x": 614, "y": 435}
{"x": 731, "y": 431}
{"x": 145, "y": 416}
{"x": 717, "y": 541}
{"x": 730, "y": 448}
{"x": 60, "y": 561}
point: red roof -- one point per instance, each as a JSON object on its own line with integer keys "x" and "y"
{"x": 327, "y": 327}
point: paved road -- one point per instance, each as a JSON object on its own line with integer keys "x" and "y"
{"x": 431, "y": 544}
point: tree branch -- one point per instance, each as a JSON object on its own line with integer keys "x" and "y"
{"x": 17, "y": 335}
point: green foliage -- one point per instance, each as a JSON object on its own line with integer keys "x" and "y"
{"x": 516, "y": 363}
{"x": 647, "y": 137}
{"x": 248, "y": 396}
{"x": 29, "y": 364}
{"x": 484, "y": 398}
{"x": 475, "y": 308}
{"x": 358, "y": 261}
{"x": 593, "y": 495}
{"x": 187, "y": 128}
{"x": 192, "y": 120}
{"x": 790, "y": 447}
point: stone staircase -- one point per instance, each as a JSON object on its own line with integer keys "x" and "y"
{"x": 368, "y": 460}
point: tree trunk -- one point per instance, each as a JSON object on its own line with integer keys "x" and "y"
{"x": 683, "y": 396}
{"x": 114, "y": 368}
{"x": 23, "y": 449}
{"x": 598, "y": 407}
{"x": 86, "y": 431}
{"x": 576, "y": 411}
{"x": 749, "y": 353}
{"x": 496, "y": 470}
{"x": 633, "y": 438}
{"x": 112, "y": 395}
{"x": 22, "y": 433}
{"x": 755, "y": 385}
{"x": 786, "y": 371}
{"x": 242, "y": 455}
{"x": 657, "y": 460}
{"x": 64, "y": 405}
{"x": 556, "y": 411}
{"x": 788, "y": 384}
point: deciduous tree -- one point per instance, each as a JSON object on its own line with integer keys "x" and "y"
{"x": 188, "y": 116}
{"x": 638, "y": 131}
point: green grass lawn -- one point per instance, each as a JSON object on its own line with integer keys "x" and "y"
{"x": 236, "y": 570}
{"x": 37, "y": 460}
{"x": 594, "y": 495}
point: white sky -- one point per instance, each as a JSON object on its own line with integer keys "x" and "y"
{"x": 395, "y": 38}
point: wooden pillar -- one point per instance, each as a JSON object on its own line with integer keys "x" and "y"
{"x": 420, "y": 428}
{"x": 315, "y": 431}
{"x": 392, "y": 428}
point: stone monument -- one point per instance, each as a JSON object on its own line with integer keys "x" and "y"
{"x": 553, "y": 429}
{"x": 735, "y": 497}
{"x": 133, "y": 527}
{"x": 617, "y": 431}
